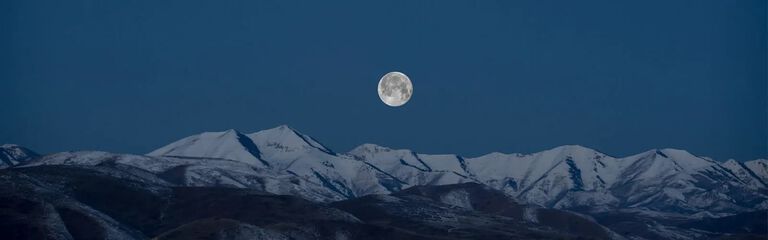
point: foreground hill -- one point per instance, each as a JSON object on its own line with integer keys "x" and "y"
{"x": 115, "y": 201}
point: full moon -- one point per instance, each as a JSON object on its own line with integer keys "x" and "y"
{"x": 395, "y": 89}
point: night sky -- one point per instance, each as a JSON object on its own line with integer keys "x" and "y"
{"x": 510, "y": 76}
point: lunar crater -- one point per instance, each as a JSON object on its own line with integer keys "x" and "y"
{"x": 395, "y": 89}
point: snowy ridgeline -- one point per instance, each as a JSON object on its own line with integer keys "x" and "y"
{"x": 283, "y": 161}
{"x": 12, "y": 154}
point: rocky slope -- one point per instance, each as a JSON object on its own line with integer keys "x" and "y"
{"x": 566, "y": 177}
{"x": 12, "y": 154}
{"x": 568, "y": 191}
{"x": 111, "y": 200}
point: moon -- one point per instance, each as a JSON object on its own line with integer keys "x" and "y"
{"x": 395, "y": 89}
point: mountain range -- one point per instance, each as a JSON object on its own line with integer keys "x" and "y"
{"x": 660, "y": 193}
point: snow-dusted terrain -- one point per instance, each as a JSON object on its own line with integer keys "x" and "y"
{"x": 656, "y": 189}
{"x": 569, "y": 177}
{"x": 12, "y": 154}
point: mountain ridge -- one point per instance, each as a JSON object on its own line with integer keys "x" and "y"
{"x": 567, "y": 177}
{"x": 651, "y": 192}
{"x": 298, "y": 133}
{"x": 13, "y": 154}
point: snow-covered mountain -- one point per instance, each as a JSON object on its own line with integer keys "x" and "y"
{"x": 229, "y": 144}
{"x": 282, "y": 160}
{"x": 569, "y": 177}
{"x": 198, "y": 172}
{"x": 92, "y": 198}
{"x": 758, "y": 169}
{"x": 283, "y": 150}
{"x": 657, "y": 194}
{"x": 12, "y": 154}
{"x": 577, "y": 177}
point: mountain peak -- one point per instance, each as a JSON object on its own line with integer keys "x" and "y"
{"x": 222, "y": 134}
{"x": 651, "y": 153}
{"x": 731, "y": 162}
{"x": 13, "y": 154}
{"x": 680, "y": 154}
{"x": 668, "y": 153}
{"x": 680, "y": 159}
{"x": 231, "y": 131}
{"x": 279, "y": 130}
{"x": 282, "y": 127}
{"x": 369, "y": 147}
{"x": 228, "y": 144}
{"x": 287, "y": 139}
{"x": 574, "y": 150}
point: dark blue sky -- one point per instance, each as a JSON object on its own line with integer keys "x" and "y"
{"x": 509, "y": 76}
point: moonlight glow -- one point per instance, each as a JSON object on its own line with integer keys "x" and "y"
{"x": 395, "y": 89}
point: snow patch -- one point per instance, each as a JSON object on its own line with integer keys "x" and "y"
{"x": 458, "y": 197}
